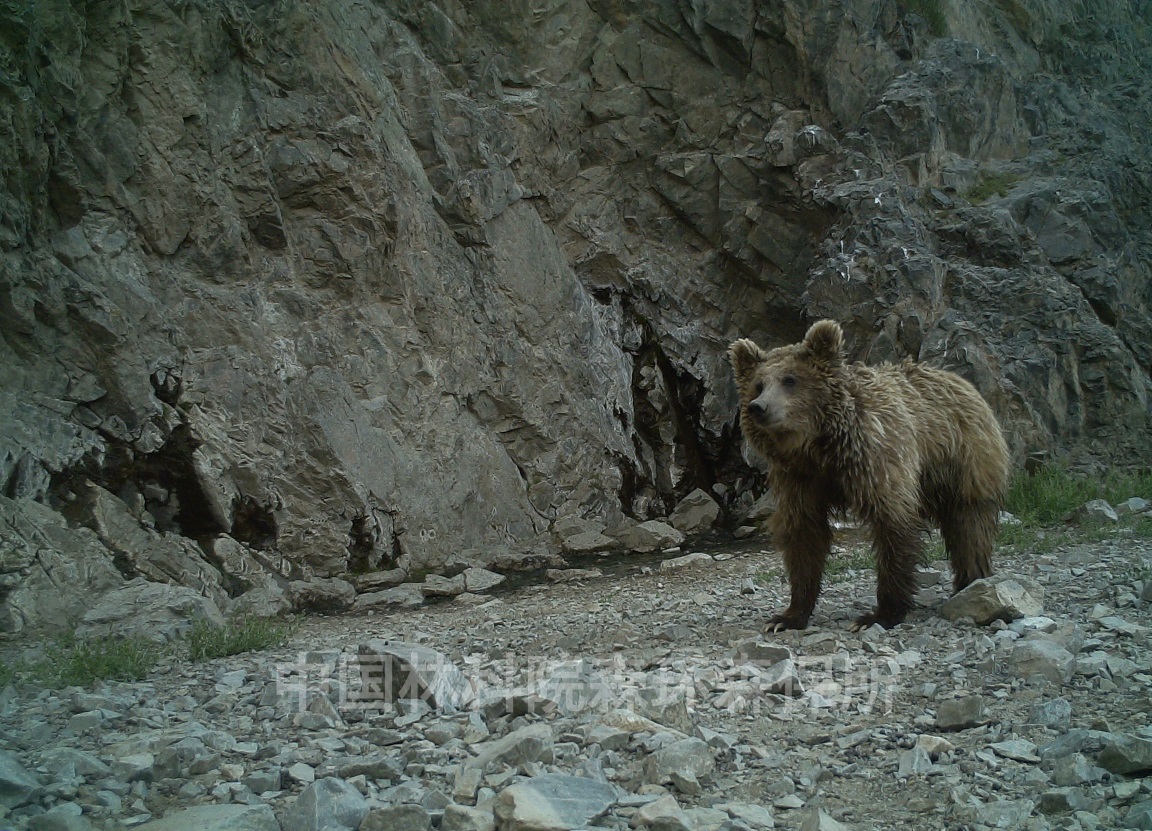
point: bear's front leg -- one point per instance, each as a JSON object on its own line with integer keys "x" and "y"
{"x": 804, "y": 537}
{"x": 897, "y": 547}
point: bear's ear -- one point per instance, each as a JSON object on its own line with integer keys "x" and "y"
{"x": 745, "y": 356}
{"x": 825, "y": 341}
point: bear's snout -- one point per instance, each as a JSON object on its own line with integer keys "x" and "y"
{"x": 762, "y": 411}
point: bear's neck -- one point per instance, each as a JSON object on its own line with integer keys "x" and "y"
{"x": 840, "y": 444}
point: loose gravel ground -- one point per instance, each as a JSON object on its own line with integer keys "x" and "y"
{"x": 656, "y": 681}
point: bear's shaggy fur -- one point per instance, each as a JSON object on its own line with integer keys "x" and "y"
{"x": 898, "y": 445}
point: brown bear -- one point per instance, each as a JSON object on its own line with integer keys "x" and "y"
{"x": 898, "y": 445}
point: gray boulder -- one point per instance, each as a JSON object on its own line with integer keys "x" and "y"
{"x": 1038, "y": 658}
{"x": 995, "y": 598}
{"x": 695, "y": 513}
{"x": 17, "y": 785}
{"x": 435, "y": 585}
{"x": 1127, "y": 755}
{"x": 328, "y": 804}
{"x": 960, "y": 713}
{"x": 328, "y": 595}
{"x": 397, "y": 671}
{"x": 687, "y": 758}
{"x": 652, "y": 535}
{"x": 397, "y": 818}
{"x": 157, "y": 611}
{"x": 481, "y": 579}
{"x": 533, "y": 743}
{"x": 49, "y": 572}
{"x": 266, "y": 599}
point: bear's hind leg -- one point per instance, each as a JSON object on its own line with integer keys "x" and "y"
{"x": 898, "y": 548}
{"x": 804, "y": 537}
{"x": 969, "y": 531}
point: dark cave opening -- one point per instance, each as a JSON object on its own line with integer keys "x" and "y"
{"x": 171, "y": 489}
{"x": 253, "y": 524}
{"x": 362, "y": 555}
{"x": 683, "y": 396}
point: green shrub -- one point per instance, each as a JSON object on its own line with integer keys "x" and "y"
{"x": 206, "y": 642}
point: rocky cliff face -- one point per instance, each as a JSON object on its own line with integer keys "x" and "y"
{"x": 296, "y": 289}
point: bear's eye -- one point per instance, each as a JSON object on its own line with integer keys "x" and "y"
{"x": 759, "y": 388}
{"x": 789, "y": 381}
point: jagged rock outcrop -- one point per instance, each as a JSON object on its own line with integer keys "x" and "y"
{"x": 341, "y": 287}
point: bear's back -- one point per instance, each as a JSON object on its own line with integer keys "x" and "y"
{"x": 961, "y": 443}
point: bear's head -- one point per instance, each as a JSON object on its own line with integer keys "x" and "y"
{"x": 786, "y": 393}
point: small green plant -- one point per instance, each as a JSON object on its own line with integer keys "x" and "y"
{"x": 933, "y": 13}
{"x": 1016, "y": 15}
{"x": 72, "y": 662}
{"x": 934, "y": 550}
{"x": 1017, "y": 535}
{"x": 852, "y": 559}
{"x": 206, "y": 642}
{"x": 769, "y": 577}
{"x": 1124, "y": 484}
{"x": 1032, "y": 539}
{"x": 1141, "y": 529}
{"x": 9, "y": 669}
{"x": 991, "y": 184}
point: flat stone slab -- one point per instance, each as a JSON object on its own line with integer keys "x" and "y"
{"x": 552, "y": 802}
{"x": 960, "y": 713}
{"x": 528, "y": 744}
{"x": 687, "y": 561}
{"x": 481, "y": 579}
{"x": 217, "y": 818}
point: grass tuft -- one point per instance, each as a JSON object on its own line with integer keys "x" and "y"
{"x": 1046, "y": 497}
{"x": 991, "y": 184}
{"x": 1141, "y": 528}
{"x": 934, "y": 551}
{"x": 9, "y": 669}
{"x": 933, "y": 13}
{"x": 1016, "y": 15}
{"x": 856, "y": 558}
{"x": 206, "y": 642}
{"x": 72, "y": 662}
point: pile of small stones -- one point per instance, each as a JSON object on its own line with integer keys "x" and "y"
{"x": 649, "y": 700}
